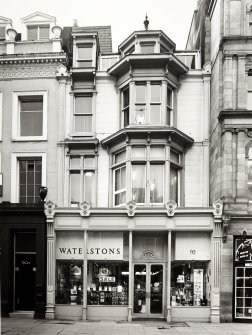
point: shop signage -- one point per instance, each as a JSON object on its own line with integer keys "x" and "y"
{"x": 107, "y": 279}
{"x": 100, "y": 246}
{"x": 243, "y": 249}
{"x": 192, "y": 246}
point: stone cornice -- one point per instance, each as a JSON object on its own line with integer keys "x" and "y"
{"x": 234, "y": 114}
{"x": 33, "y": 59}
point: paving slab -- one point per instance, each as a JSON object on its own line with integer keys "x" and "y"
{"x": 19, "y": 326}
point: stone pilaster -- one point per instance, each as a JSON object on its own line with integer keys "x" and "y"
{"x": 85, "y": 272}
{"x": 226, "y": 180}
{"x": 130, "y": 292}
{"x": 227, "y": 82}
{"x": 241, "y": 84}
{"x": 216, "y": 262}
{"x": 168, "y": 301}
{"x": 50, "y": 279}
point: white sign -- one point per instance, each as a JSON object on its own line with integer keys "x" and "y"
{"x": 192, "y": 246}
{"x": 100, "y": 246}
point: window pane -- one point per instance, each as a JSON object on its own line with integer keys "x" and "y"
{"x": 174, "y": 184}
{"x": 83, "y": 123}
{"x": 43, "y": 33}
{"x": 31, "y": 116}
{"x": 75, "y": 187}
{"x": 157, "y": 152}
{"x": 140, "y": 114}
{"x": 31, "y": 123}
{"x": 89, "y": 162}
{"x": 138, "y": 152}
{"x": 156, "y": 183}
{"x": 69, "y": 282}
{"x": 155, "y": 114}
{"x": 75, "y": 163}
{"x": 85, "y": 52}
{"x": 120, "y": 198}
{"x": 125, "y": 98}
{"x": 155, "y": 93}
{"x": 147, "y": 48}
{"x": 120, "y": 178}
{"x": 29, "y": 180}
{"x": 249, "y": 100}
{"x": 32, "y": 33}
{"x": 169, "y": 98}
{"x": 250, "y": 82}
{"x": 140, "y": 93}
{"x": 83, "y": 105}
{"x": 174, "y": 156}
{"x": 138, "y": 183}
{"x": 89, "y": 186}
{"x": 120, "y": 157}
{"x": 2, "y": 33}
{"x": 108, "y": 283}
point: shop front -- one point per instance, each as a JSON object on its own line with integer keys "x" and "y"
{"x": 129, "y": 272}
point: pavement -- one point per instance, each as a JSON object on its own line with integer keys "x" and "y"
{"x": 22, "y": 326}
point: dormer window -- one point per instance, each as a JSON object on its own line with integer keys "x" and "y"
{"x": 84, "y": 55}
{"x": 40, "y": 32}
{"x": 147, "y": 48}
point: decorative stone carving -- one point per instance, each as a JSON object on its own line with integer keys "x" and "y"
{"x": 148, "y": 254}
{"x": 27, "y": 72}
{"x": 49, "y": 208}
{"x": 207, "y": 67}
{"x": 61, "y": 71}
{"x": 85, "y": 208}
{"x": 217, "y": 207}
{"x": 171, "y": 207}
{"x": 131, "y": 208}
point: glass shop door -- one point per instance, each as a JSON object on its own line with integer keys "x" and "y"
{"x": 148, "y": 290}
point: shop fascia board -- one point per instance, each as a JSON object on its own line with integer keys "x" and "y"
{"x": 122, "y": 211}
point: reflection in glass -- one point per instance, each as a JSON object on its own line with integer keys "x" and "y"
{"x": 138, "y": 183}
{"x": 140, "y": 289}
{"x": 156, "y": 302}
{"x": 156, "y": 183}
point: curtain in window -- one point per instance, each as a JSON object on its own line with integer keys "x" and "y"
{"x": 138, "y": 183}
{"x": 89, "y": 186}
{"x": 120, "y": 186}
{"x": 75, "y": 187}
{"x": 156, "y": 183}
{"x": 174, "y": 184}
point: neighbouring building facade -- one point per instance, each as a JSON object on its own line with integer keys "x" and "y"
{"x": 221, "y": 30}
{"x": 122, "y": 142}
{"x": 30, "y": 67}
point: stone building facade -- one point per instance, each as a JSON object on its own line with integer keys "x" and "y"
{"x": 222, "y": 31}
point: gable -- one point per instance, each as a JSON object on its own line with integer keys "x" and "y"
{"x": 38, "y": 17}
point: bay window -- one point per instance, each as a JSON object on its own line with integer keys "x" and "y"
{"x": 142, "y": 175}
{"x": 147, "y": 103}
{"x": 82, "y": 173}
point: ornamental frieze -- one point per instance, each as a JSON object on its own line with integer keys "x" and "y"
{"x": 28, "y": 71}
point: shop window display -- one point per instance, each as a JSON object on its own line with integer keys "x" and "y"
{"x": 107, "y": 283}
{"x": 69, "y": 282}
{"x": 190, "y": 284}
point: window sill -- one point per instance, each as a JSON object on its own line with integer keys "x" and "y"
{"x": 29, "y": 139}
{"x": 88, "y": 134}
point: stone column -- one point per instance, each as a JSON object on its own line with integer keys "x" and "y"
{"x": 50, "y": 279}
{"x": 216, "y": 262}
{"x": 130, "y": 292}
{"x": 226, "y": 181}
{"x": 168, "y": 301}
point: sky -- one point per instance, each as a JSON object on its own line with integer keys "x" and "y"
{"x": 172, "y": 16}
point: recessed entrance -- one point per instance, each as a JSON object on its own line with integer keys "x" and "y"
{"x": 148, "y": 290}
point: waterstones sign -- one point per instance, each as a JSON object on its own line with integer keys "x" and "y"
{"x": 100, "y": 246}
